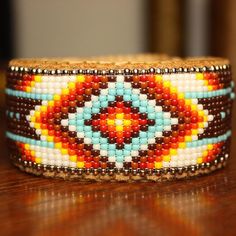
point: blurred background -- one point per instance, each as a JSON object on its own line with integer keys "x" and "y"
{"x": 53, "y": 28}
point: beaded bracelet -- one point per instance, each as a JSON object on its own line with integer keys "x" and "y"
{"x": 145, "y": 117}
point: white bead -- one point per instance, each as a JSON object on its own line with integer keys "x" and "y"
{"x": 143, "y": 97}
{"x": 64, "y": 122}
{"x": 79, "y": 110}
{"x": 95, "y": 146}
{"x": 165, "y": 164}
{"x": 135, "y": 91}
{"x": 88, "y": 141}
{"x": 127, "y": 85}
{"x": 158, "y": 134}
{"x": 143, "y": 147}
{"x": 43, "y": 138}
{"x": 65, "y": 163}
{"x": 128, "y": 159}
{"x": 174, "y": 121}
{"x": 119, "y": 165}
{"x": 103, "y": 153}
{"x": 71, "y": 115}
{"x": 80, "y": 135}
{"x": 158, "y": 108}
{"x": 104, "y": 92}
{"x": 167, "y": 128}
{"x": 151, "y": 140}
{"x": 210, "y": 117}
{"x": 134, "y": 153}
{"x": 89, "y": 104}
{"x": 152, "y": 103}
{"x": 120, "y": 78}
{"x": 112, "y": 159}
{"x": 72, "y": 164}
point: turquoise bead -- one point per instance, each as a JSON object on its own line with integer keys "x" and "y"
{"x": 95, "y": 140}
{"x": 112, "y": 91}
{"x": 127, "y": 97}
{"x": 111, "y": 152}
{"x": 119, "y": 158}
{"x": 143, "y": 109}
{"x": 120, "y": 92}
{"x": 104, "y": 146}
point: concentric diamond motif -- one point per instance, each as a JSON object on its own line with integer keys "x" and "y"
{"x": 120, "y": 119}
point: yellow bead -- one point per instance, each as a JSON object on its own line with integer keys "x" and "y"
{"x": 210, "y": 88}
{"x": 194, "y": 107}
{"x": 32, "y": 83}
{"x": 37, "y": 78}
{"x": 205, "y": 153}
{"x": 188, "y": 102}
{"x": 58, "y": 145}
{"x": 158, "y": 78}
{"x": 201, "y": 113}
{"x": 119, "y": 128}
{"x": 181, "y": 95}
{"x": 199, "y": 160}
{"x": 38, "y": 160}
{"x": 80, "y": 164}
{"x": 65, "y": 91}
{"x": 205, "y": 118}
{"x": 158, "y": 165}
{"x": 199, "y": 76}
{"x": 201, "y": 125}
{"x": 209, "y": 146}
{"x": 43, "y": 108}
{"x": 110, "y": 122}
{"x": 36, "y": 113}
{"x": 32, "y": 119}
{"x": 51, "y": 103}
{"x": 37, "y": 126}
{"x": 28, "y": 89}
{"x": 56, "y": 97}
{"x": 173, "y": 90}
{"x": 205, "y": 82}
{"x": 27, "y": 146}
{"x": 64, "y": 151}
{"x": 166, "y": 83}
{"x": 80, "y": 78}
{"x": 194, "y": 132}
{"x": 50, "y": 138}
{"x": 173, "y": 152}
{"x": 119, "y": 116}
{"x": 44, "y": 132}
{"x": 73, "y": 158}
{"x": 166, "y": 158}
{"x": 71, "y": 85}
{"x": 127, "y": 122}
{"x": 32, "y": 153}
{"x": 182, "y": 145}
{"x": 188, "y": 138}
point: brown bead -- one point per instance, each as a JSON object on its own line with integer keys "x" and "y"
{"x": 64, "y": 109}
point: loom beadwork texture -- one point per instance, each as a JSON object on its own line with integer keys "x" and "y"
{"x": 151, "y": 121}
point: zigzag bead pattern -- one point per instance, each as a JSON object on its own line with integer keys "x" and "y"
{"x": 123, "y": 124}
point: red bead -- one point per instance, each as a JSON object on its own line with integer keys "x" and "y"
{"x": 120, "y": 104}
{"x": 142, "y": 165}
{"x": 119, "y": 140}
{"x": 96, "y": 79}
{"x": 103, "y": 116}
{"x": 126, "y": 110}
{"x": 127, "y": 134}
{"x": 158, "y": 152}
{"x": 71, "y": 97}
{"x": 87, "y": 84}
{"x": 95, "y": 164}
{"x": 103, "y": 128}
{"x": 111, "y": 110}
{"x": 142, "y": 122}
{"x": 95, "y": 122}
{"x": 135, "y": 116}
{"x": 194, "y": 119}
{"x": 151, "y": 159}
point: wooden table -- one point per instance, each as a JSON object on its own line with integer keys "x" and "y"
{"x": 37, "y": 206}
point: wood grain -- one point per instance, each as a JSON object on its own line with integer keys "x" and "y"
{"x": 36, "y": 206}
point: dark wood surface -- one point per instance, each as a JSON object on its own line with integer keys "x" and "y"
{"x": 32, "y": 205}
